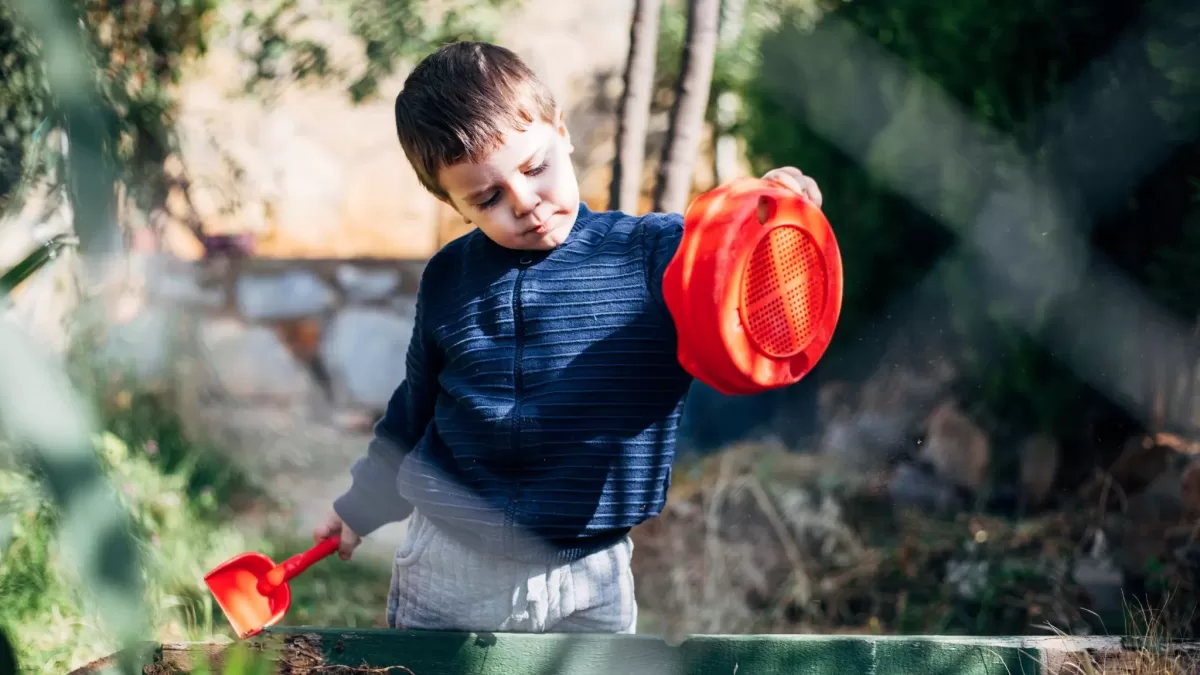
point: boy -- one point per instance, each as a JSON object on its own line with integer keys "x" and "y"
{"x": 536, "y": 422}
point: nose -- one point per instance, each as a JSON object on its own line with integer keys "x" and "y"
{"x": 525, "y": 198}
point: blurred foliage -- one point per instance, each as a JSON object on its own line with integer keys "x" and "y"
{"x": 393, "y": 30}
{"x": 136, "y": 50}
{"x": 1175, "y": 270}
{"x": 284, "y": 48}
{"x": 47, "y": 609}
{"x": 22, "y": 99}
{"x": 737, "y": 61}
{"x": 184, "y": 498}
{"x": 1004, "y": 65}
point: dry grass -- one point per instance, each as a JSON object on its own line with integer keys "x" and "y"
{"x": 760, "y": 540}
{"x": 1152, "y": 650}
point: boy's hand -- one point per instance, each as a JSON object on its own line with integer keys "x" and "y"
{"x": 333, "y": 525}
{"x": 791, "y": 177}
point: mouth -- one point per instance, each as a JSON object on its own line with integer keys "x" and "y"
{"x": 543, "y": 227}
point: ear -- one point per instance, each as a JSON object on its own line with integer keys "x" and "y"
{"x": 560, "y": 126}
{"x": 459, "y": 212}
{"x": 449, "y": 202}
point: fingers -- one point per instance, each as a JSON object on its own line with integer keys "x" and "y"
{"x": 333, "y": 526}
{"x": 808, "y": 188}
{"x": 793, "y": 178}
{"x": 349, "y": 542}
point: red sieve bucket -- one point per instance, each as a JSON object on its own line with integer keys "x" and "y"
{"x": 755, "y": 288}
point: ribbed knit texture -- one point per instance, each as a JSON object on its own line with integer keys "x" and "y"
{"x": 538, "y": 416}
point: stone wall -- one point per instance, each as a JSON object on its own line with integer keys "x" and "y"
{"x": 280, "y": 331}
{"x": 282, "y": 366}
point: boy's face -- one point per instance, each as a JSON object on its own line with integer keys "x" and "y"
{"x": 524, "y": 195}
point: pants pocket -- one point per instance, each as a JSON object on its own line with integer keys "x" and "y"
{"x": 416, "y": 541}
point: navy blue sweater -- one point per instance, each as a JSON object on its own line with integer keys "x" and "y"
{"x": 537, "y": 419}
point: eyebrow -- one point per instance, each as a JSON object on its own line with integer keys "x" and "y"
{"x": 474, "y": 196}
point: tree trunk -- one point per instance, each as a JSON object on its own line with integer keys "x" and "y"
{"x": 725, "y": 149}
{"x": 633, "y": 118}
{"x": 687, "y": 113}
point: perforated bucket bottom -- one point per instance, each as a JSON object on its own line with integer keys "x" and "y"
{"x": 783, "y": 292}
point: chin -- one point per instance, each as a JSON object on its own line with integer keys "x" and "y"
{"x": 556, "y": 236}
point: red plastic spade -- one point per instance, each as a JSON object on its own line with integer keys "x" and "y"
{"x": 253, "y": 591}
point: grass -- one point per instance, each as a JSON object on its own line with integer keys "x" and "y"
{"x": 1150, "y": 650}
{"x": 184, "y": 501}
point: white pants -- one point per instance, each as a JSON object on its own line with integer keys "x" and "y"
{"x": 440, "y": 584}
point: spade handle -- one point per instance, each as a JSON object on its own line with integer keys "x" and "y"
{"x": 286, "y": 570}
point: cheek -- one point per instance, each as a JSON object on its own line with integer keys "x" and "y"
{"x": 497, "y": 218}
{"x": 559, "y": 181}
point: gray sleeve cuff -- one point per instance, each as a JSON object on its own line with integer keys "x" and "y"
{"x": 373, "y": 500}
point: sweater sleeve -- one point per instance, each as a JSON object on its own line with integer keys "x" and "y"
{"x": 661, "y": 234}
{"x": 373, "y": 500}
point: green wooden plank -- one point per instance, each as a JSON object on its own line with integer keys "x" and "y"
{"x": 509, "y": 654}
{"x": 313, "y": 651}
{"x": 428, "y": 653}
{"x": 926, "y": 656}
{"x": 775, "y": 654}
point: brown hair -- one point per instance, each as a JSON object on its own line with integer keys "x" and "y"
{"x": 458, "y": 103}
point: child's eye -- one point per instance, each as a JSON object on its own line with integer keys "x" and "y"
{"x": 538, "y": 169}
{"x": 491, "y": 201}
